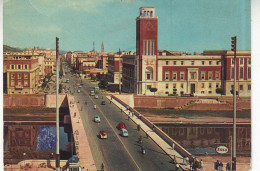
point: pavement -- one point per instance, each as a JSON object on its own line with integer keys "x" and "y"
{"x": 81, "y": 141}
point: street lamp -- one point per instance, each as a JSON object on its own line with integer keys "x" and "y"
{"x": 234, "y": 49}
{"x": 24, "y": 154}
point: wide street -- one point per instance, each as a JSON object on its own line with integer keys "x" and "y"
{"x": 115, "y": 152}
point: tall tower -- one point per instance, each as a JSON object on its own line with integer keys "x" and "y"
{"x": 146, "y": 48}
{"x": 102, "y": 48}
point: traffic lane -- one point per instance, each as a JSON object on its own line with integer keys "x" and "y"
{"x": 155, "y": 158}
{"x": 112, "y": 149}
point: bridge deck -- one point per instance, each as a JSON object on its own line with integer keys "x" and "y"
{"x": 81, "y": 141}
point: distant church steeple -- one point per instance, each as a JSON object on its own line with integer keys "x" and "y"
{"x": 102, "y": 48}
{"x": 93, "y": 46}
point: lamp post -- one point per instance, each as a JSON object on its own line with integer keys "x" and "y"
{"x": 234, "y": 49}
{"x": 24, "y": 154}
{"x": 57, "y": 108}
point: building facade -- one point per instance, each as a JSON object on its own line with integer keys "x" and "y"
{"x": 181, "y": 73}
{"x": 22, "y": 73}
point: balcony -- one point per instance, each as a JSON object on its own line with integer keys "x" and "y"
{"x": 18, "y": 87}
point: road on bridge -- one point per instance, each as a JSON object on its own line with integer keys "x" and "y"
{"x": 115, "y": 152}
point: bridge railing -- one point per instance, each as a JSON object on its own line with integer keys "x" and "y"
{"x": 157, "y": 130}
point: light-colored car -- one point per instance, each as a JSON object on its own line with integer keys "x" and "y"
{"x": 124, "y": 133}
{"x": 103, "y": 134}
{"x": 96, "y": 96}
{"x": 97, "y": 118}
{"x": 78, "y": 91}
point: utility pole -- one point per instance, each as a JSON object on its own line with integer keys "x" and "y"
{"x": 234, "y": 49}
{"x": 119, "y": 71}
{"x": 57, "y": 108}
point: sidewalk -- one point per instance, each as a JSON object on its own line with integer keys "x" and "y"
{"x": 156, "y": 138}
{"x": 81, "y": 141}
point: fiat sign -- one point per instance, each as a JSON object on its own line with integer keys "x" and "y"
{"x": 221, "y": 149}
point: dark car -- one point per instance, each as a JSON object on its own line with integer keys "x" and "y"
{"x": 121, "y": 126}
{"x": 103, "y": 102}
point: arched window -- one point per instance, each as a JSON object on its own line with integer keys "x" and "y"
{"x": 149, "y": 73}
{"x": 151, "y": 13}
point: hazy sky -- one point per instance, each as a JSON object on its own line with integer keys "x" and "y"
{"x": 183, "y": 25}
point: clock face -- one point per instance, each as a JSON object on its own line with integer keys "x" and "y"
{"x": 150, "y": 26}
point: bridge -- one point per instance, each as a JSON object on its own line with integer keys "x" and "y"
{"x": 116, "y": 152}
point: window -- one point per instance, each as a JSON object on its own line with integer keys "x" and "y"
{"x": 210, "y": 62}
{"x": 249, "y": 86}
{"x": 174, "y": 62}
{"x": 148, "y": 76}
{"x": 217, "y": 63}
{"x": 166, "y": 92}
{"x": 240, "y": 87}
{"x": 152, "y": 53}
{"x": 145, "y": 46}
{"x": 167, "y": 62}
{"x": 167, "y": 86}
{"x": 12, "y": 76}
{"x": 12, "y": 66}
{"x": 25, "y": 66}
{"x": 202, "y": 62}
{"x": 217, "y": 75}
{"x": 174, "y": 85}
{"x": 202, "y": 85}
{"x": 166, "y": 75}
{"x": 232, "y": 73}
{"x": 149, "y": 47}
{"x": 182, "y": 62}
{"x": 241, "y": 72}
{"x": 249, "y": 61}
{"x": 25, "y": 83}
{"x": 174, "y": 76}
{"x": 19, "y": 67}
{"x": 232, "y": 87}
{"x": 241, "y": 61}
{"x": 210, "y": 85}
{"x": 193, "y": 75}
{"x": 19, "y": 76}
{"x": 148, "y": 87}
{"x": 232, "y": 61}
{"x": 217, "y": 85}
{"x": 210, "y": 92}
{"x": 182, "y": 76}
{"x": 210, "y": 75}
{"x": 19, "y": 83}
{"x": 249, "y": 73}
{"x": 202, "y": 92}
{"x": 192, "y": 62}
{"x": 12, "y": 83}
{"x": 202, "y": 75}
{"x": 181, "y": 85}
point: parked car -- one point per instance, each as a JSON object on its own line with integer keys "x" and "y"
{"x": 121, "y": 126}
{"x": 124, "y": 133}
{"x": 103, "y": 102}
{"x": 96, "y": 96}
{"x": 97, "y": 119}
{"x": 78, "y": 91}
{"x": 103, "y": 134}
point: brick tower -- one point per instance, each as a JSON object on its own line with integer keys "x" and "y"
{"x": 146, "y": 49}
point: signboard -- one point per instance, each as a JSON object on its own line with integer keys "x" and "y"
{"x": 222, "y": 149}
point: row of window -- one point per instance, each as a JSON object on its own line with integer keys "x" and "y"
{"x": 192, "y": 76}
{"x": 25, "y": 83}
{"x": 191, "y": 62}
{"x": 241, "y": 72}
{"x": 148, "y": 48}
{"x": 241, "y": 87}
{"x": 241, "y": 61}
{"x": 19, "y": 66}
{"x": 192, "y": 131}
{"x": 19, "y": 76}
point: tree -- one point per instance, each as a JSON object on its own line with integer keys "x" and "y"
{"x": 220, "y": 91}
{"x": 103, "y": 83}
{"x": 153, "y": 90}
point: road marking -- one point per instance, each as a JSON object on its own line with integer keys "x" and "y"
{"x": 98, "y": 108}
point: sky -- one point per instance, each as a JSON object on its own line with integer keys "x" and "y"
{"x": 190, "y": 25}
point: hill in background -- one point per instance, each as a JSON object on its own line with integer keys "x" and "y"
{"x": 14, "y": 49}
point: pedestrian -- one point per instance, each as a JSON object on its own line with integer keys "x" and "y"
{"x": 191, "y": 166}
{"x": 220, "y": 166}
{"x": 110, "y": 101}
{"x": 138, "y": 127}
{"x": 75, "y": 114}
{"x": 174, "y": 159}
{"x": 128, "y": 117}
{"x": 216, "y": 165}
{"x": 140, "y": 140}
{"x": 228, "y": 167}
{"x": 133, "y": 113}
{"x": 121, "y": 110}
{"x": 82, "y": 169}
{"x": 147, "y": 136}
{"x": 201, "y": 164}
{"x": 196, "y": 165}
{"x": 102, "y": 167}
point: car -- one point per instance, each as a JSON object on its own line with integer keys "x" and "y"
{"x": 103, "y": 102}
{"x": 78, "y": 91}
{"x": 124, "y": 133}
{"x": 96, "y": 96}
{"x": 79, "y": 86}
{"x": 121, "y": 126}
{"x": 97, "y": 119}
{"x": 102, "y": 134}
